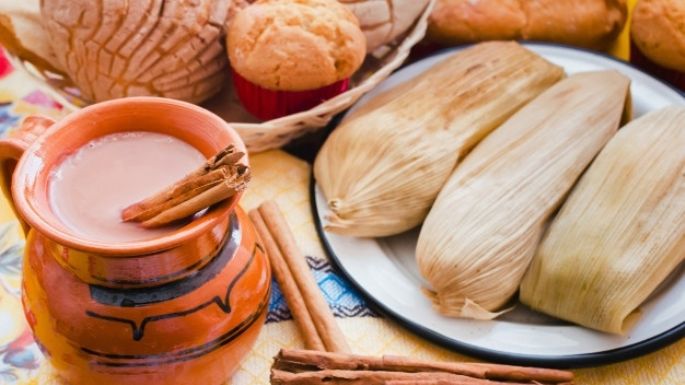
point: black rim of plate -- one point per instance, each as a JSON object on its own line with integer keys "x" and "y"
{"x": 637, "y": 349}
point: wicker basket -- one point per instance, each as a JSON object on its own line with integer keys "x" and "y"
{"x": 261, "y": 136}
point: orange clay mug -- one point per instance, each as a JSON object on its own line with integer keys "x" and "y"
{"x": 180, "y": 309}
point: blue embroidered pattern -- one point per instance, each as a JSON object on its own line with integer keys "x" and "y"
{"x": 344, "y": 300}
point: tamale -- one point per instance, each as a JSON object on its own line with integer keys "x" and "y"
{"x": 381, "y": 170}
{"x": 621, "y": 231}
{"x": 486, "y": 223}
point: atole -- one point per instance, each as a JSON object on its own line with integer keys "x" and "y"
{"x": 181, "y": 309}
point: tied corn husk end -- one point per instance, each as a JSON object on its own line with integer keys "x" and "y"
{"x": 358, "y": 212}
{"x": 336, "y": 224}
{"x": 478, "y": 288}
{"x": 382, "y": 168}
{"x": 483, "y": 230}
{"x": 460, "y": 307}
{"x": 620, "y": 233}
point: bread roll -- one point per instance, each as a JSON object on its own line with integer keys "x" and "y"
{"x": 110, "y": 49}
{"x": 383, "y": 21}
{"x": 585, "y": 23}
{"x": 658, "y": 31}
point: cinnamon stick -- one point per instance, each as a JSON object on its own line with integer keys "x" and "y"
{"x": 176, "y": 194}
{"x": 450, "y": 382}
{"x": 299, "y": 360}
{"x": 370, "y": 377}
{"x": 227, "y": 156}
{"x": 435, "y": 382}
{"x": 224, "y": 190}
{"x": 421, "y": 382}
{"x": 288, "y": 286}
{"x": 218, "y": 179}
{"x": 325, "y": 323}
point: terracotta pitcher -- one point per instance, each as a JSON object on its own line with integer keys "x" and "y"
{"x": 180, "y": 309}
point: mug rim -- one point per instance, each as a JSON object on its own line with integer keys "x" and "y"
{"x": 23, "y": 176}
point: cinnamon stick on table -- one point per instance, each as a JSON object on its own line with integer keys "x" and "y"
{"x": 219, "y": 178}
{"x": 298, "y": 360}
{"x": 445, "y": 382}
{"x": 293, "y": 268}
{"x": 335, "y": 366}
{"x": 288, "y": 286}
{"x": 371, "y": 377}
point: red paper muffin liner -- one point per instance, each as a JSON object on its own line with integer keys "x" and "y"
{"x": 268, "y": 104}
{"x": 676, "y": 78}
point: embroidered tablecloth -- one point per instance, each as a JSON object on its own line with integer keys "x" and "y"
{"x": 285, "y": 179}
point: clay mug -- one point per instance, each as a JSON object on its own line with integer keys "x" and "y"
{"x": 183, "y": 308}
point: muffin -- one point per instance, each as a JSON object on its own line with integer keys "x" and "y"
{"x": 658, "y": 39}
{"x": 290, "y": 55}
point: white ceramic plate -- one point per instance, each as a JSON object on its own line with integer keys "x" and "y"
{"x": 385, "y": 271}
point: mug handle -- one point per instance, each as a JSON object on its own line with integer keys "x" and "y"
{"x": 12, "y": 148}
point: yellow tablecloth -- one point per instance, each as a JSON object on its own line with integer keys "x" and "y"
{"x": 283, "y": 178}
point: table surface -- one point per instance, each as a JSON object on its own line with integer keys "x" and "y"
{"x": 284, "y": 178}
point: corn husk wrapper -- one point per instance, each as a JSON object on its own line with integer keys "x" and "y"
{"x": 480, "y": 235}
{"x": 621, "y": 231}
{"x": 381, "y": 170}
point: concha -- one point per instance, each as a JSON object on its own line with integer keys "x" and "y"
{"x": 383, "y": 21}
{"x": 112, "y": 49}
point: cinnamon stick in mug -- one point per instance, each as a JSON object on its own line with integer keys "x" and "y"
{"x": 176, "y": 194}
{"x": 218, "y": 179}
{"x": 196, "y": 200}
